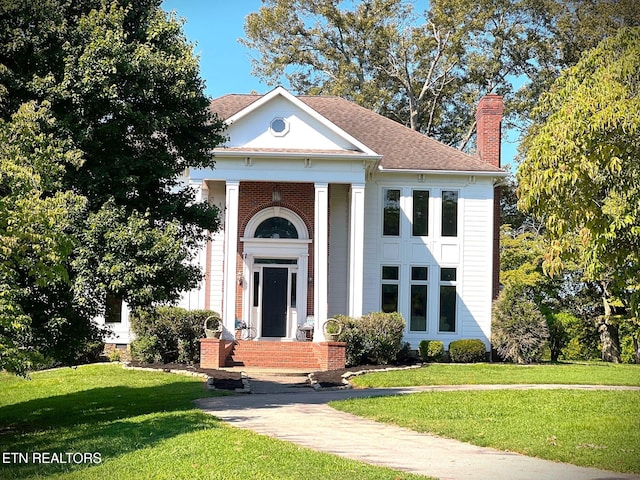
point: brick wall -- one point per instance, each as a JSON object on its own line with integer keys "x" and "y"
{"x": 489, "y": 138}
{"x": 256, "y": 196}
{"x": 331, "y": 355}
{"x": 312, "y": 356}
{"x": 488, "y": 120}
{"x": 213, "y": 352}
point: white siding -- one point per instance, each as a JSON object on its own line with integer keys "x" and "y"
{"x": 120, "y": 332}
{"x": 477, "y": 257}
{"x": 371, "y": 282}
{"x": 470, "y": 252}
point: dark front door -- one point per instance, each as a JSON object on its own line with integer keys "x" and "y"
{"x": 274, "y": 302}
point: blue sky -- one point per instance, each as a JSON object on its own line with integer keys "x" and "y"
{"x": 215, "y": 27}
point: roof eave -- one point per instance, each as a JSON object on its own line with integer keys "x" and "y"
{"x": 480, "y": 173}
{"x": 221, "y": 152}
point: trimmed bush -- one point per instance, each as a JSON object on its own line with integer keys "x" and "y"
{"x": 431, "y": 350}
{"x": 169, "y": 334}
{"x": 467, "y": 351}
{"x": 519, "y": 330}
{"x": 373, "y": 338}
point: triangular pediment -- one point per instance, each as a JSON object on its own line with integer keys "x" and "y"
{"x": 278, "y": 121}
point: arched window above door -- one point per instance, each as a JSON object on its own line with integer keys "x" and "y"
{"x": 276, "y": 222}
{"x": 276, "y": 227}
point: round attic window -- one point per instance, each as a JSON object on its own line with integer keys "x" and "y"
{"x": 279, "y": 127}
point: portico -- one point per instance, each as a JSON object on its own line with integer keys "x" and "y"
{"x": 276, "y": 255}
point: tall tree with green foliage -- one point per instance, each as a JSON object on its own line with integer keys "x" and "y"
{"x": 424, "y": 69}
{"x": 581, "y": 175}
{"x": 124, "y": 87}
{"x": 567, "y": 29}
{"x": 427, "y": 69}
{"x": 35, "y": 219}
{"x": 122, "y": 80}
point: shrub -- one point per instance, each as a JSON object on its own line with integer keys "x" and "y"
{"x": 169, "y": 334}
{"x": 467, "y": 351}
{"x": 519, "y": 330}
{"x": 431, "y": 350}
{"x": 373, "y": 338}
{"x": 406, "y": 356}
{"x": 147, "y": 348}
{"x": 114, "y": 355}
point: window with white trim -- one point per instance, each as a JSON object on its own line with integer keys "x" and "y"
{"x": 419, "y": 295}
{"x": 449, "y": 213}
{"x": 391, "y": 212}
{"x": 420, "y": 221}
{"x": 390, "y": 288}
{"x": 448, "y": 300}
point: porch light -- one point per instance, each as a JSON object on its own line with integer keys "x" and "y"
{"x": 275, "y": 196}
{"x": 241, "y": 280}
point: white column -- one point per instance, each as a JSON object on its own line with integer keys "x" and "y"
{"x": 356, "y": 250}
{"x": 320, "y": 258}
{"x": 230, "y": 252}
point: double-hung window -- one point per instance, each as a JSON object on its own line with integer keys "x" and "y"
{"x": 448, "y": 282}
{"x": 390, "y": 287}
{"x": 419, "y": 294}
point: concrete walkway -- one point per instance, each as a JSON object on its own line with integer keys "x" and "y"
{"x": 287, "y": 410}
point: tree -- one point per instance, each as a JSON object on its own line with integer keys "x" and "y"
{"x": 124, "y": 82}
{"x": 428, "y": 69}
{"x": 35, "y": 217}
{"x": 580, "y": 173}
{"x": 567, "y": 29}
{"x": 124, "y": 87}
{"x": 425, "y": 71}
{"x": 133, "y": 258}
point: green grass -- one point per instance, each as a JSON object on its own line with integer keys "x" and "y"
{"x": 492, "y": 373}
{"x": 144, "y": 426}
{"x": 598, "y": 429}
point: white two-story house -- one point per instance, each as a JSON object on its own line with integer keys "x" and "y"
{"x": 329, "y": 208}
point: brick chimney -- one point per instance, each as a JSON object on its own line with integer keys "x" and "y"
{"x": 488, "y": 140}
{"x": 488, "y": 120}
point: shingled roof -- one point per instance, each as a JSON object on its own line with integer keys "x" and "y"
{"x": 401, "y": 148}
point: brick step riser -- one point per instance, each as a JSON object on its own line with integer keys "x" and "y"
{"x": 277, "y": 355}
{"x": 216, "y": 353}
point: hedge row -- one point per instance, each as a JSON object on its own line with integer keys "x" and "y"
{"x": 460, "y": 351}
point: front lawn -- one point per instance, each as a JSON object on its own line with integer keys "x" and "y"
{"x": 589, "y": 428}
{"x": 497, "y": 373}
{"x": 142, "y": 425}
{"x": 598, "y": 429}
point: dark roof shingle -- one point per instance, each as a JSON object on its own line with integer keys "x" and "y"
{"x": 400, "y": 147}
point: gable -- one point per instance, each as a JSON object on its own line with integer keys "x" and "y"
{"x": 280, "y": 122}
{"x": 281, "y": 125}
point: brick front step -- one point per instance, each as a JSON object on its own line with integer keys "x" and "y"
{"x": 215, "y": 353}
{"x": 274, "y": 354}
